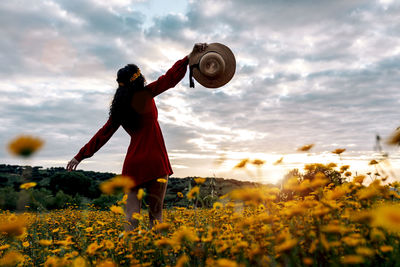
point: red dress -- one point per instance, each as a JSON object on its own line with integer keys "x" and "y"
{"x": 147, "y": 157}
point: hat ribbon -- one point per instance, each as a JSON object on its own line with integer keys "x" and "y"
{"x": 191, "y": 74}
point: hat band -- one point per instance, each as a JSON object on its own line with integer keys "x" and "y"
{"x": 191, "y": 82}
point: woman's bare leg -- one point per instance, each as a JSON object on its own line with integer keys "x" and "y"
{"x": 133, "y": 205}
{"x": 156, "y": 193}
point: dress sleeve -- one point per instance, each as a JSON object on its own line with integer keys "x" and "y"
{"x": 97, "y": 141}
{"x": 173, "y": 76}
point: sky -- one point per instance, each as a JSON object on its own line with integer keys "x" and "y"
{"x": 308, "y": 72}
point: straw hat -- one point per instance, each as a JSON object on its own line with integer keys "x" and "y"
{"x": 214, "y": 67}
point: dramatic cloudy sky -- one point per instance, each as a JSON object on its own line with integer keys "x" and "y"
{"x": 310, "y": 71}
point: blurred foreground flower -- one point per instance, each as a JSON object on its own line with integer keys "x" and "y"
{"x": 339, "y": 151}
{"x": 26, "y": 186}
{"x": 241, "y": 164}
{"x": 11, "y": 258}
{"x": 14, "y": 226}
{"x": 140, "y": 194}
{"x": 279, "y": 161}
{"x": 306, "y": 147}
{"x": 199, "y": 180}
{"x": 162, "y": 180}
{"x": 117, "y": 183}
{"x": 394, "y": 139}
{"x": 117, "y": 210}
{"x": 387, "y": 217}
{"x": 25, "y": 145}
{"x": 194, "y": 192}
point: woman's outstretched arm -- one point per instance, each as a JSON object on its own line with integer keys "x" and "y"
{"x": 97, "y": 141}
{"x": 175, "y": 74}
{"x": 171, "y": 78}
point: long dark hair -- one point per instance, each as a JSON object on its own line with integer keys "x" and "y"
{"x": 121, "y": 111}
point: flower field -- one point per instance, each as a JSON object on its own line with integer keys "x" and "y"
{"x": 309, "y": 222}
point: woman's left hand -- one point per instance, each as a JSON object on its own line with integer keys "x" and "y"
{"x": 198, "y": 48}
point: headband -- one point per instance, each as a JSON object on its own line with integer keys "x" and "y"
{"x": 133, "y": 78}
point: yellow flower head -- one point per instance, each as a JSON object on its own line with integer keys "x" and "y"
{"x": 11, "y": 258}
{"x": 193, "y": 193}
{"x": 339, "y": 151}
{"x": 118, "y": 182}
{"x": 140, "y": 194}
{"x": 25, "y": 145}
{"x": 92, "y": 248}
{"x": 387, "y": 217}
{"x": 352, "y": 259}
{"x": 180, "y": 194}
{"x": 305, "y": 147}
{"x": 117, "y": 210}
{"x": 16, "y": 226}
{"x": 199, "y": 180}
{"x": 26, "y": 186}
{"x": 242, "y": 164}
{"x": 162, "y": 180}
{"x": 45, "y": 242}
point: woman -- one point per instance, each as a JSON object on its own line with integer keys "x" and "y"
{"x": 146, "y": 160}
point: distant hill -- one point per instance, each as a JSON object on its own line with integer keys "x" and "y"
{"x": 56, "y": 186}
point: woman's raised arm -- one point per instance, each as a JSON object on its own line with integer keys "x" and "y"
{"x": 173, "y": 76}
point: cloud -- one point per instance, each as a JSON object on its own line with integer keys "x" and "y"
{"x": 323, "y": 72}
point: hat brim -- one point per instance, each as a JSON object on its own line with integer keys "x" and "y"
{"x": 225, "y": 77}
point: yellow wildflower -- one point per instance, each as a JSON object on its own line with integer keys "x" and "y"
{"x": 385, "y": 248}
{"x": 217, "y": 205}
{"x": 199, "y": 180}
{"x": 308, "y": 261}
{"x": 339, "y": 151}
{"x": 288, "y": 244}
{"x": 194, "y": 192}
{"x": 11, "y": 258}
{"x": 79, "y": 262}
{"x": 305, "y": 147}
{"x": 108, "y": 244}
{"x": 258, "y": 162}
{"x": 388, "y": 217}
{"x": 182, "y": 260}
{"x": 14, "y": 227}
{"x": 45, "y": 242}
{"x": 365, "y": 251}
{"x": 25, "y": 145}
{"x": 117, "y": 210}
{"x": 140, "y": 194}
{"x": 225, "y": 263}
{"x": 373, "y": 162}
{"x": 359, "y": 179}
{"x": 184, "y": 234}
{"x": 241, "y": 164}
{"x": 164, "y": 243}
{"x": 116, "y": 183}
{"x": 279, "y": 161}
{"x": 136, "y": 216}
{"x": 162, "y": 180}
{"x": 106, "y": 263}
{"x": 352, "y": 259}
{"x": 162, "y": 226}
{"x": 180, "y": 194}
{"x": 92, "y": 248}
{"x": 26, "y": 186}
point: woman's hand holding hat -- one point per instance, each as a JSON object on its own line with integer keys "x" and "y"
{"x": 198, "y": 48}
